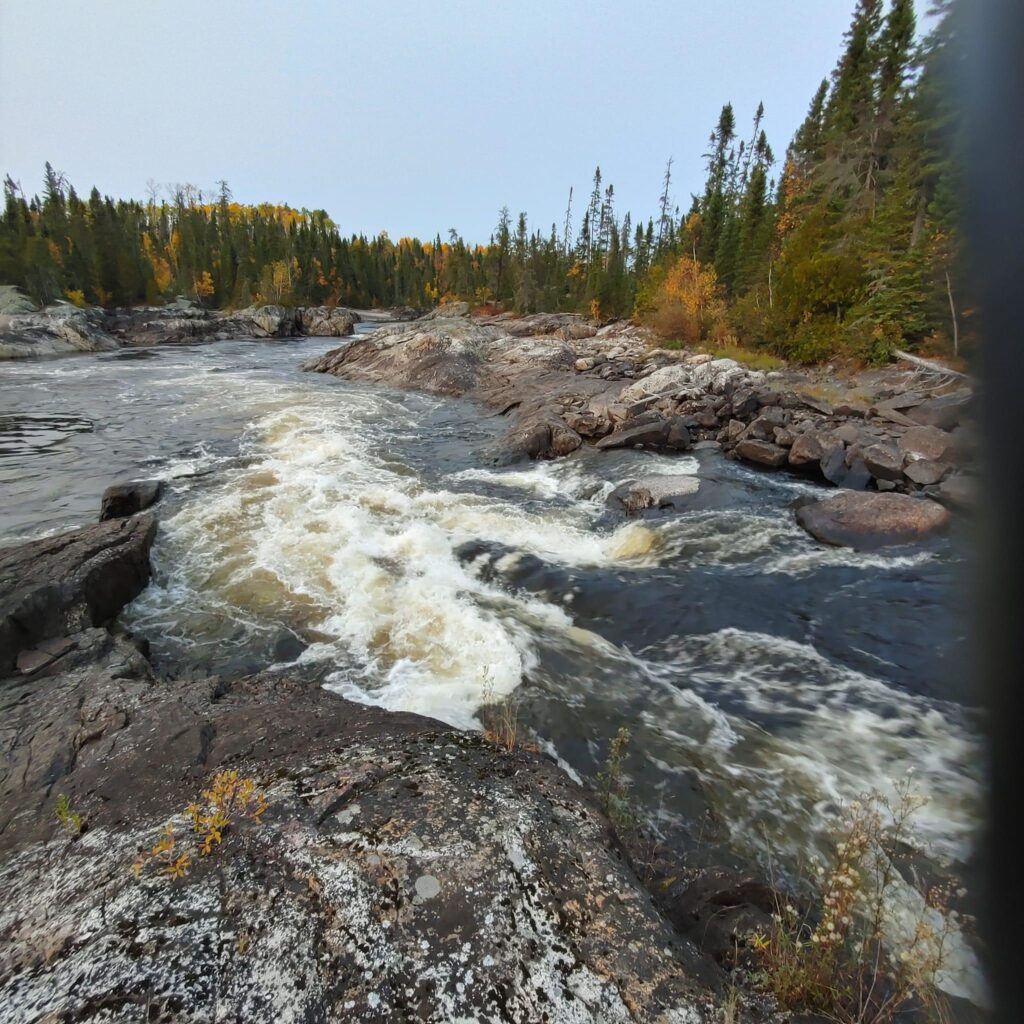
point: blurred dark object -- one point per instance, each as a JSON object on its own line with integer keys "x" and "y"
{"x": 994, "y": 90}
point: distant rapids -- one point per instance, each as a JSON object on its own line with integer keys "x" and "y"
{"x": 360, "y": 533}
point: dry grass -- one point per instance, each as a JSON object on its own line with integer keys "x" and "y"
{"x": 834, "y": 959}
{"x": 747, "y": 357}
{"x": 499, "y": 719}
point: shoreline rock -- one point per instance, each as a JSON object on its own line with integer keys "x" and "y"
{"x": 61, "y": 585}
{"x": 867, "y": 521}
{"x": 62, "y": 328}
{"x": 557, "y": 373}
{"x": 122, "y": 500}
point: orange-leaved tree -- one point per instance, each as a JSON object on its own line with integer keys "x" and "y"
{"x": 687, "y": 304}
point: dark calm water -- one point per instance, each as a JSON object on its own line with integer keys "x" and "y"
{"x": 362, "y": 533}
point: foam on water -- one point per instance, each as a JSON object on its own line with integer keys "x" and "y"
{"x": 782, "y": 740}
{"x": 317, "y": 529}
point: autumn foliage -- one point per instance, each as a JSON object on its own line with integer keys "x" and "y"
{"x": 687, "y": 303}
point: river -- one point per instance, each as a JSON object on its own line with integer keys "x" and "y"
{"x": 360, "y": 533}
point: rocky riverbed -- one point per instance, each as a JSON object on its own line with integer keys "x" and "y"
{"x": 387, "y": 545}
{"x": 564, "y": 382}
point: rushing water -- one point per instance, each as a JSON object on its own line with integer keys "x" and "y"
{"x": 362, "y": 533}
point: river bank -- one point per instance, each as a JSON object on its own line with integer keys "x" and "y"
{"x": 63, "y": 328}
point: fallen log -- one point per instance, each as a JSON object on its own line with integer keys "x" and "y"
{"x": 928, "y": 364}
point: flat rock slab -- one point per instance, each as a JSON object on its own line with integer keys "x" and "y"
{"x": 763, "y": 452}
{"x": 867, "y": 520}
{"x": 654, "y": 491}
{"x": 401, "y": 871}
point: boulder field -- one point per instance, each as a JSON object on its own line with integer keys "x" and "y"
{"x": 563, "y": 382}
{"x": 397, "y": 869}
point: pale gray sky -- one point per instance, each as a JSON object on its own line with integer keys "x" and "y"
{"x": 409, "y": 117}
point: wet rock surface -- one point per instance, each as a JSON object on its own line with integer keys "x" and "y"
{"x": 120, "y": 500}
{"x": 401, "y": 871}
{"x": 60, "y": 585}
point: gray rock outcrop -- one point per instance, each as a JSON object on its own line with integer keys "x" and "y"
{"x": 60, "y": 585}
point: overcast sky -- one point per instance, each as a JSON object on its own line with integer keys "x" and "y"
{"x": 409, "y": 117}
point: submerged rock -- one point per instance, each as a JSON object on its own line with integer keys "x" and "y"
{"x": 868, "y": 520}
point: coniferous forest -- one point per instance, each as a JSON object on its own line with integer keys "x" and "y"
{"x": 845, "y": 245}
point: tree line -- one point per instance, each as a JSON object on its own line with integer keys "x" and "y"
{"x": 848, "y": 245}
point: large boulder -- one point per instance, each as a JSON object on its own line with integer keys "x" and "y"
{"x": 670, "y": 380}
{"x": 763, "y": 452}
{"x": 327, "y": 321}
{"x": 809, "y": 448}
{"x": 266, "y": 321}
{"x": 944, "y": 411}
{"x": 121, "y": 500}
{"x": 867, "y": 520}
{"x": 822, "y": 450}
{"x": 883, "y": 461}
{"x": 649, "y": 431}
{"x": 439, "y": 356}
{"x": 60, "y": 585}
{"x": 447, "y": 310}
{"x": 929, "y": 443}
{"x": 56, "y": 330}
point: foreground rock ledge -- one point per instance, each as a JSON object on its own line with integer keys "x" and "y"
{"x": 402, "y": 871}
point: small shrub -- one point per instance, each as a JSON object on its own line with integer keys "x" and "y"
{"x": 229, "y": 801}
{"x": 872, "y": 342}
{"x": 614, "y": 789}
{"x": 500, "y": 720}
{"x": 76, "y": 297}
{"x": 834, "y": 959}
{"x": 70, "y": 821}
{"x": 164, "y": 857}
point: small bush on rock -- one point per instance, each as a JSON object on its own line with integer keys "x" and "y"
{"x": 229, "y": 802}
{"x": 70, "y": 821}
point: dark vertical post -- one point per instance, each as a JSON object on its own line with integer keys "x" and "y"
{"x": 994, "y": 93}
